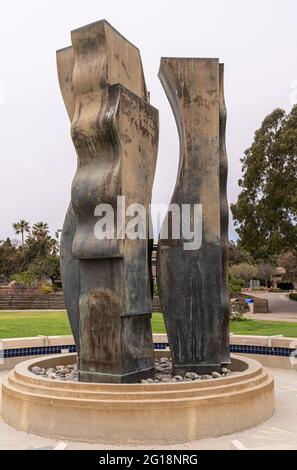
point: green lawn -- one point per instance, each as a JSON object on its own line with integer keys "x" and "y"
{"x": 20, "y": 324}
{"x": 264, "y": 328}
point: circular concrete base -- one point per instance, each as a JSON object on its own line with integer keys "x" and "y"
{"x": 162, "y": 413}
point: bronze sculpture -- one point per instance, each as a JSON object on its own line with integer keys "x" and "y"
{"x": 107, "y": 279}
{"x": 193, "y": 282}
{"x": 115, "y": 133}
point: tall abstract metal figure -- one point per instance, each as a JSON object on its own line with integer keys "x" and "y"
{"x": 107, "y": 282}
{"x": 193, "y": 283}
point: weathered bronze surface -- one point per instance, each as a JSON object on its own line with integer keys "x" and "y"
{"x": 193, "y": 283}
{"x": 107, "y": 282}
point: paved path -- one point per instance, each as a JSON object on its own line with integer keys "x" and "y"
{"x": 278, "y": 433}
{"x": 281, "y": 307}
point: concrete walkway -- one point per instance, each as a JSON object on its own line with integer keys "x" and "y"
{"x": 279, "y": 432}
{"x": 281, "y": 307}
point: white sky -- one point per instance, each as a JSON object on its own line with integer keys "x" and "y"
{"x": 256, "y": 39}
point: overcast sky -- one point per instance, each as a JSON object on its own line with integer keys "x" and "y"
{"x": 256, "y": 39}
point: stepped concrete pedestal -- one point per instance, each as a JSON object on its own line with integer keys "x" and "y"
{"x": 164, "y": 413}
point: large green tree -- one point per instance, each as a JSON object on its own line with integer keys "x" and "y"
{"x": 289, "y": 262}
{"x": 46, "y": 268}
{"x": 238, "y": 254}
{"x": 265, "y": 213}
{"x": 11, "y": 260}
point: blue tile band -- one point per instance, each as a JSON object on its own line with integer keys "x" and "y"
{"x": 38, "y": 351}
{"x": 234, "y": 348}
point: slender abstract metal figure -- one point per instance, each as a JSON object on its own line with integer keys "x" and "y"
{"x": 193, "y": 282}
{"x": 107, "y": 282}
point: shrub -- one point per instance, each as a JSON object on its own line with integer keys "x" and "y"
{"x": 293, "y": 296}
{"x": 237, "y": 309}
{"x": 235, "y": 285}
{"x": 25, "y": 278}
{"x": 244, "y": 271}
{"x": 237, "y": 316}
{"x": 47, "y": 289}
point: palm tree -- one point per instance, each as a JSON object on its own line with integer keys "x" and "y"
{"x": 58, "y": 234}
{"x": 40, "y": 230}
{"x": 21, "y": 227}
{"x": 54, "y": 246}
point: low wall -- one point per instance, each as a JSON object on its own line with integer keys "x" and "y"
{"x": 260, "y": 305}
{"x": 31, "y": 301}
{"x": 23, "y": 300}
{"x": 271, "y": 351}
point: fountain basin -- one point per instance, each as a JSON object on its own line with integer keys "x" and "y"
{"x": 163, "y": 413}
